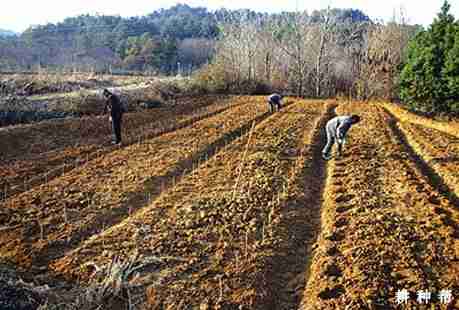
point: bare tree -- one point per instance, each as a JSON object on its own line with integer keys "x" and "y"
{"x": 325, "y": 34}
{"x": 384, "y": 54}
{"x": 295, "y": 42}
{"x": 316, "y": 56}
{"x": 194, "y": 52}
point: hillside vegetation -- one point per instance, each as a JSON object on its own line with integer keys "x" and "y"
{"x": 155, "y": 42}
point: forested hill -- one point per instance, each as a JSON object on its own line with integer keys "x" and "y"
{"x": 180, "y": 38}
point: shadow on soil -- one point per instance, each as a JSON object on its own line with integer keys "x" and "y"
{"x": 153, "y": 188}
{"x": 433, "y": 178}
{"x": 49, "y": 175}
{"x": 288, "y": 271}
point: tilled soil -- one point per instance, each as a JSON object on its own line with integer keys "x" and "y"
{"x": 32, "y": 155}
{"x": 22, "y": 141}
{"x": 449, "y": 126}
{"x": 384, "y": 227}
{"x": 46, "y": 221}
{"x": 215, "y": 231}
{"x": 439, "y": 150}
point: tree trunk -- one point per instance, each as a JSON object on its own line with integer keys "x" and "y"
{"x": 268, "y": 67}
{"x": 319, "y": 63}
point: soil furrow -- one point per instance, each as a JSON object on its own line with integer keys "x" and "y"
{"x": 432, "y": 176}
{"x": 46, "y": 237}
{"x": 21, "y": 175}
{"x": 299, "y": 227}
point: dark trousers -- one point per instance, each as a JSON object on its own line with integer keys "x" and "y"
{"x": 116, "y": 127}
{"x": 273, "y": 105}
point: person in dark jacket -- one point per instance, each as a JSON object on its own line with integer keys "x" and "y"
{"x": 113, "y": 104}
{"x": 275, "y": 100}
{"x": 337, "y": 129}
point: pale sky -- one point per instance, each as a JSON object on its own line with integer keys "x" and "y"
{"x": 17, "y": 15}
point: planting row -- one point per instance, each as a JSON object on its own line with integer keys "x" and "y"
{"x": 450, "y": 127}
{"x": 27, "y": 141}
{"x": 208, "y": 241}
{"x": 45, "y": 221}
{"x": 33, "y": 155}
{"x": 385, "y": 229}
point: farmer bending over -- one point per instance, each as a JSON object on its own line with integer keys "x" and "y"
{"x": 275, "y": 100}
{"x": 113, "y": 103}
{"x": 337, "y": 129}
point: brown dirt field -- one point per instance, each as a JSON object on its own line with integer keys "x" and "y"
{"x": 439, "y": 150}
{"x": 50, "y": 219}
{"x": 216, "y": 215}
{"x": 35, "y": 154}
{"x": 384, "y": 227}
{"x": 216, "y": 251}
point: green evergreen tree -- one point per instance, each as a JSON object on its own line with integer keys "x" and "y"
{"x": 424, "y": 80}
{"x": 451, "y": 73}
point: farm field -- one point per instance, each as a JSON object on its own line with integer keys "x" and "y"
{"x": 33, "y": 154}
{"x": 112, "y": 186}
{"x": 219, "y": 225}
{"x": 218, "y": 204}
{"x": 385, "y": 224}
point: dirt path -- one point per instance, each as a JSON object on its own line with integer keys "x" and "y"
{"x": 96, "y": 90}
{"x": 300, "y": 225}
{"x": 87, "y": 92}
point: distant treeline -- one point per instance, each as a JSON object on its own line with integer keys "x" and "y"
{"x": 341, "y": 53}
{"x": 326, "y": 53}
{"x": 176, "y": 40}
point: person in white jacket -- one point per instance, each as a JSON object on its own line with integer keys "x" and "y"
{"x": 337, "y": 129}
{"x": 275, "y": 100}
